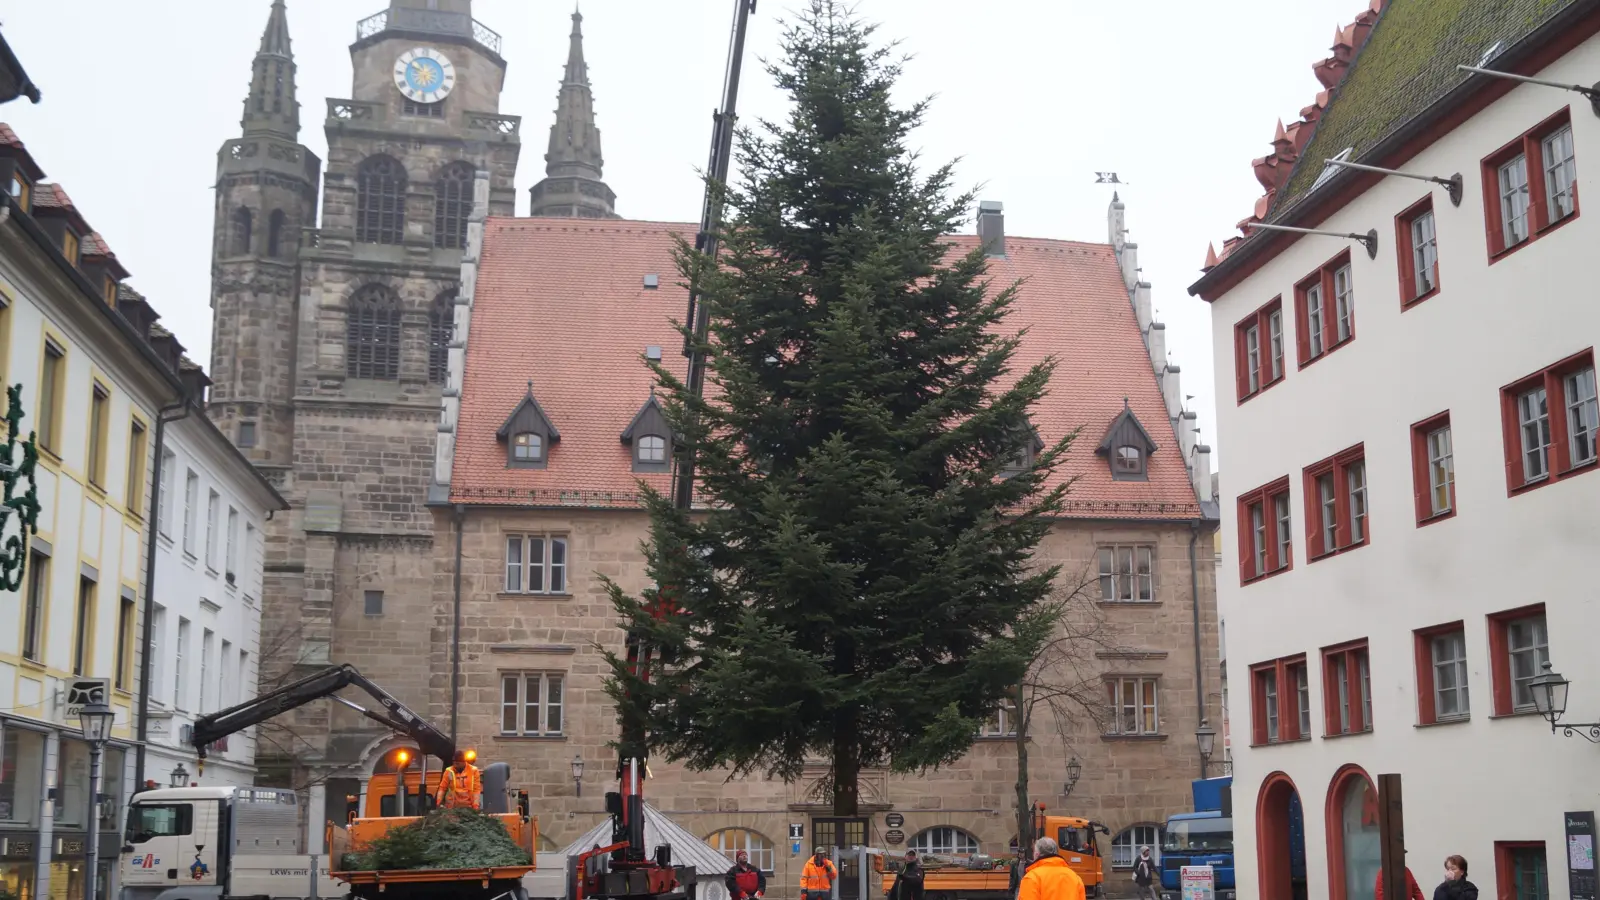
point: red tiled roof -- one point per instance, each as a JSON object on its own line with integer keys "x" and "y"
{"x": 562, "y": 302}
{"x": 12, "y": 146}
{"x": 8, "y": 138}
{"x": 52, "y": 196}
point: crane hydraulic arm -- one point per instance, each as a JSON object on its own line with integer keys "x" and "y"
{"x": 326, "y": 683}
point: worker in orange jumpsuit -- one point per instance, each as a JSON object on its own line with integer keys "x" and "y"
{"x": 1050, "y": 878}
{"x": 461, "y": 785}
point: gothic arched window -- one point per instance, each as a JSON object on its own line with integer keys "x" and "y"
{"x": 372, "y": 334}
{"x": 275, "y": 226}
{"x": 452, "y": 203}
{"x": 380, "y": 201}
{"x": 239, "y": 232}
{"x": 441, "y": 325}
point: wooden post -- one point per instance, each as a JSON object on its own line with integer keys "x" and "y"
{"x": 1392, "y": 837}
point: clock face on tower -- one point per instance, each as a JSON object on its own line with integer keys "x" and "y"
{"x": 424, "y": 75}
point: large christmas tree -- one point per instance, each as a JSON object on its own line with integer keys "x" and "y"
{"x": 853, "y": 588}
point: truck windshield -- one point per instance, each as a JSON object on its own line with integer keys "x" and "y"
{"x": 151, "y": 820}
{"x": 1199, "y": 835}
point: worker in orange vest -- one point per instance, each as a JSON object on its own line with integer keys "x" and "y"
{"x": 1050, "y": 878}
{"x": 817, "y": 877}
{"x": 461, "y": 785}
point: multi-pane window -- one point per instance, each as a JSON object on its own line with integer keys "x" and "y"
{"x": 943, "y": 841}
{"x": 83, "y": 630}
{"x": 1448, "y": 653}
{"x": 169, "y": 471}
{"x": 1552, "y": 423}
{"x": 1125, "y": 846}
{"x": 1269, "y": 701}
{"x": 423, "y": 110}
{"x": 1001, "y": 723}
{"x": 1424, "y": 255}
{"x": 1133, "y": 706}
{"x": 133, "y": 498}
{"x": 1433, "y": 461}
{"x": 247, "y": 435}
{"x": 1264, "y": 531}
{"x": 122, "y": 673}
{"x": 191, "y": 506}
{"x": 99, "y": 419}
{"x": 181, "y": 668}
{"x": 372, "y": 334}
{"x": 1530, "y": 185}
{"x": 652, "y": 448}
{"x": 527, "y": 447}
{"x": 1325, "y": 309}
{"x": 536, "y": 564}
{"x": 224, "y": 684}
{"x": 1280, "y": 701}
{"x": 158, "y": 657}
{"x": 441, "y": 326}
{"x": 730, "y": 841}
{"x": 1347, "y": 690}
{"x": 1302, "y": 680}
{"x": 1336, "y": 498}
{"x": 213, "y": 526}
{"x": 1560, "y": 173}
{"x": 1258, "y": 349}
{"x": 532, "y": 703}
{"x": 452, "y": 204}
{"x": 1528, "y": 643}
{"x": 1528, "y": 877}
{"x": 380, "y": 201}
{"x": 1127, "y": 573}
{"x": 231, "y": 555}
{"x": 38, "y": 601}
{"x": 52, "y": 377}
{"x": 207, "y": 693}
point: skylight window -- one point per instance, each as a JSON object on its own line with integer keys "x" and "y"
{"x": 1328, "y": 169}
{"x": 1491, "y": 53}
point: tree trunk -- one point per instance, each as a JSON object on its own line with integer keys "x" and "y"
{"x": 1025, "y": 835}
{"x": 846, "y": 765}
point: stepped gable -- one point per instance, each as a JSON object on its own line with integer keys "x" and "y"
{"x": 565, "y": 304}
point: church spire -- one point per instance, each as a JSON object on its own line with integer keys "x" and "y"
{"x": 572, "y": 186}
{"x": 271, "y": 108}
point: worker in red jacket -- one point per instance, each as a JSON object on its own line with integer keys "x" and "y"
{"x": 745, "y": 882}
{"x": 1413, "y": 892}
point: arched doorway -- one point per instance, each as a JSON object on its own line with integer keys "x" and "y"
{"x": 1280, "y": 839}
{"x": 1354, "y": 849}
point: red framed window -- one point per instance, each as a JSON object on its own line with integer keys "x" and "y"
{"x": 1258, "y": 349}
{"x": 1280, "y": 705}
{"x": 1265, "y": 533}
{"x": 1442, "y": 694}
{"x": 1519, "y": 647}
{"x": 1346, "y": 689}
{"x": 1336, "y": 504}
{"x": 1551, "y": 421}
{"x": 1433, "y": 468}
{"x": 1530, "y": 185}
{"x": 1324, "y": 310}
{"x": 1417, "y": 244}
{"x": 1521, "y": 870}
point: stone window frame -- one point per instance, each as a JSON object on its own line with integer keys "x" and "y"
{"x": 1115, "y": 683}
{"x": 381, "y": 185}
{"x": 729, "y": 841}
{"x": 452, "y": 204}
{"x": 1128, "y": 839}
{"x": 552, "y": 544}
{"x": 521, "y": 678}
{"x": 241, "y": 228}
{"x": 276, "y": 225}
{"x": 441, "y": 331}
{"x": 1113, "y": 574}
{"x": 372, "y": 334}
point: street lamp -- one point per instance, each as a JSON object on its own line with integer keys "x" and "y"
{"x": 180, "y": 776}
{"x": 1549, "y": 691}
{"x": 577, "y": 774}
{"x": 95, "y": 719}
{"x": 1074, "y": 771}
{"x": 1206, "y": 737}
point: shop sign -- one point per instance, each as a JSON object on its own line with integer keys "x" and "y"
{"x": 83, "y": 691}
{"x": 17, "y": 848}
{"x": 894, "y": 820}
{"x": 1198, "y": 883}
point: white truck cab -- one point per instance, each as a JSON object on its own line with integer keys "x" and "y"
{"x": 208, "y": 843}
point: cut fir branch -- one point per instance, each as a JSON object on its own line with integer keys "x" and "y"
{"x": 852, "y": 586}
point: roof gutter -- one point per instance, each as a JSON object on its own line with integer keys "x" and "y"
{"x": 1303, "y": 211}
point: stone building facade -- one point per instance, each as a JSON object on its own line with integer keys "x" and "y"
{"x": 540, "y": 449}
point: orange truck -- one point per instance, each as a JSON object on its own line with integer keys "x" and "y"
{"x": 982, "y": 877}
{"x": 432, "y": 884}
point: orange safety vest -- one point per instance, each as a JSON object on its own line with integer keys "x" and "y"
{"x": 459, "y": 789}
{"x": 818, "y": 878}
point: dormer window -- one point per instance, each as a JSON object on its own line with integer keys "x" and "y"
{"x": 1127, "y": 446}
{"x": 1025, "y": 456}
{"x": 527, "y": 447}
{"x": 69, "y": 246}
{"x": 20, "y": 190}
{"x": 111, "y": 292}
{"x": 649, "y": 437}
{"x": 652, "y": 448}
{"x": 528, "y": 433}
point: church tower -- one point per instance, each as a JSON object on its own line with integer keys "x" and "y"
{"x": 266, "y": 191}
{"x": 572, "y": 185}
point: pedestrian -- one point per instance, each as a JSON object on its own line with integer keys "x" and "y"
{"x": 1144, "y": 875}
{"x": 1050, "y": 878}
{"x": 1018, "y": 868}
{"x": 1455, "y": 885}
{"x": 908, "y": 882}
{"x": 1413, "y": 892}
{"x": 460, "y": 785}
{"x": 816, "y": 879}
{"x": 744, "y": 880}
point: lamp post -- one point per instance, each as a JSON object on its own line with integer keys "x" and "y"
{"x": 1549, "y": 691}
{"x": 1074, "y": 771}
{"x": 180, "y": 776}
{"x": 577, "y": 774}
{"x": 1207, "y": 739}
{"x": 96, "y": 719}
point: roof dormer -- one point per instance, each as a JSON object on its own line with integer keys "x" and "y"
{"x": 1127, "y": 446}
{"x": 1031, "y": 447}
{"x": 649, "y": 438}
{"x": 528, "y": 434}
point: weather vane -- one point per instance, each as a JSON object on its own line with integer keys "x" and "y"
{"x": 1107, "y": 178}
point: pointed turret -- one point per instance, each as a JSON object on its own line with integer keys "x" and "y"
{"x": 572, "y": 184}
{"x": 271, "y": 108}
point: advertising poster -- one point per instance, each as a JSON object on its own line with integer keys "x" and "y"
{"x": 1580, "y": 855}
{"x": 1198, "y": 883}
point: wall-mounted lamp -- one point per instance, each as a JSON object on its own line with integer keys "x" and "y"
{"x": 1593, "y": 93}
{"x": 577, "y": 774}
{"x": 1368, "y": 240}
{"x": 1452, "y": 185}
{"x": 1549, "y": 691}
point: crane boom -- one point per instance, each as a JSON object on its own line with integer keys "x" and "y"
{"x": 326, "y": 683}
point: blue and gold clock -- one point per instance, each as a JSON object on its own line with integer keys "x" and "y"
{"x": 424, "y": 75}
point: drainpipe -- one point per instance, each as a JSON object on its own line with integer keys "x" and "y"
{"x": 1199, "y": 670}
{"x": 183, "y": 407}
{"x": 455, "y": 632}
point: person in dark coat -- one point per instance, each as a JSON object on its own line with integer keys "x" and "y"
{"x": 908, "y": 883}
{"x": 1455, "y": 885}
{"x": 745, "y": 882}
{"x": 1144, "y": 875}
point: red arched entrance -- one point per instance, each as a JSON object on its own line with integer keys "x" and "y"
{"x": 1353, "y": 846}
{"x": 1274, "y": 849}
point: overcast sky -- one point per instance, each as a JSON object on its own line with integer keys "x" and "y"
{"x": 1035, "y": 96}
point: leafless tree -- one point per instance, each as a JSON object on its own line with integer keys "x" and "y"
{"x": 280, "y": 742}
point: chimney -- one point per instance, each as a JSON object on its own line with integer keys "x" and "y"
{"x": 1188, "y": 421}
{"x": 1171, "y": 391}
{"x": 1141, "y": 305}
{"x": 194, "y": 381}
{"x": 992, "y": 227}
{"x": 1158, "y": 345}
{"x": 1116, "y": 222}
{"x": 1205, "y": 484}
{"x": 1128, "y": 256}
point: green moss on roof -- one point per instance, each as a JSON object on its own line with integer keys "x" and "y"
{"x": 1408, "y": 64}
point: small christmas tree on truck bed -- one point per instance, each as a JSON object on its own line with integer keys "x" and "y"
{"x": 443, "y": 839}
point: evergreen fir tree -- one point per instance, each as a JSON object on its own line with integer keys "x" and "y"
{"x": 854, "y": 587}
